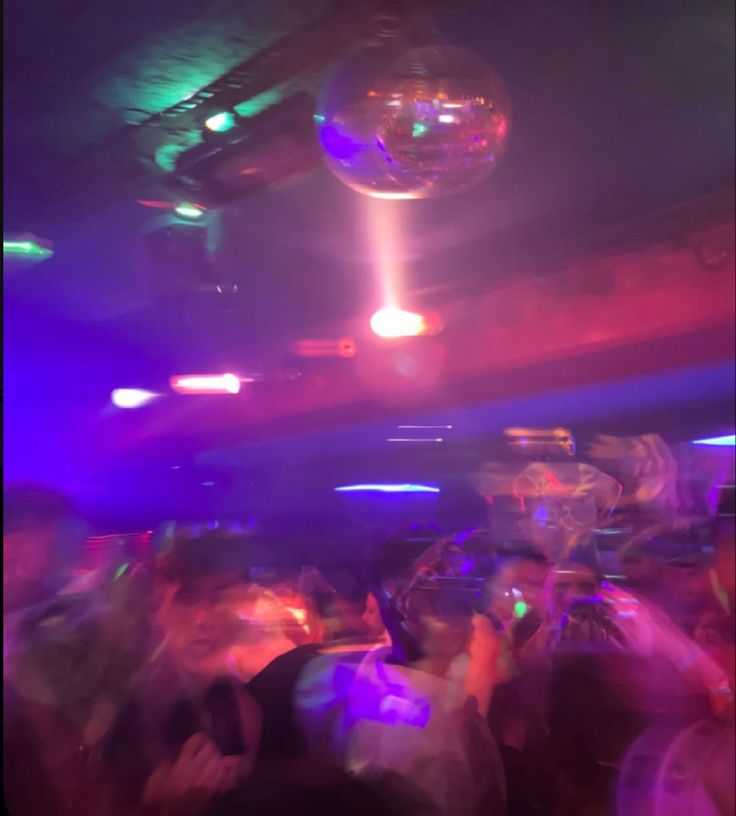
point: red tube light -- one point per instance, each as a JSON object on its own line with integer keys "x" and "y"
{"x": 344, "y": 347}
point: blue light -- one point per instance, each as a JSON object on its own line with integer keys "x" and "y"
{"x": 387, "y": 488}
{"x": 337, "y": 144}
{"x": 722, "y": 441}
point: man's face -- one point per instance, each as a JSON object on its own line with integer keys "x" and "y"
{"x": 565, "y": 441}
{"x": 571, "y": 584}
{"x": 642, "y": 569}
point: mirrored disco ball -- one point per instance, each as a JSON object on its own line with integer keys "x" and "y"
{"x": 431, "y": 121}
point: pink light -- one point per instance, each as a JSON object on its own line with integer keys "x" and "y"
{"x": 206, "y": 384}
{"x": 392, "y": 322}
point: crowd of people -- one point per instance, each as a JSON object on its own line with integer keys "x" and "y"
{"x": 454, "y": 677}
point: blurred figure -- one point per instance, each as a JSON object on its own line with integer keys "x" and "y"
{"x": 570, "y": 584}
{"x": 413, "y": 707}
{"x": 42, "y": 543}
{"x": 203, "y": 726}
{"x": 275, "y": 686}
{"x": 724, "y": 543}
{"x": 648, "y": 472}
{"x": 539, "y": 628}
{"x": 599, "y": 703}
{"x": 372, "y": 619}
{"x": 689, "y": 590}
{"x": 643, "y": 567}
{"x": 308, "y": 788}
{"x": 72, "y": 741}
{"x": 565, "y": 500}
{"x": 715, "y": 633}
{"x": 518, "y": 586}
{"x": 688, "y": 770}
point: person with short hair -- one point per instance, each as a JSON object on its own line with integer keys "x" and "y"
{"x": 203, "y": 726}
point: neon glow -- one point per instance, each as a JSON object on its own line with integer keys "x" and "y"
{"x": 26, "y": 249}
{"x": 392, "y": 322}
{"x": 257, "y": 104}
{"x": 120, "y": 571}
{"x": 384, "y": 227}
{"x": 207, "y": 384}
{"x": 720, "y": 441}
{"x": 189, "y": 211}
{"x": 449, "y": 427}
{"x": 220, "y": 122}
{"x": 387, "y": 488}
{"x": 132, "y": 397}
{"x": 520, "y": 609}
{"x": 337, "y": 144}
{"x": 418, "y": 129}
{"x": 414, "y": 439}
{"x": 392, "y": 196}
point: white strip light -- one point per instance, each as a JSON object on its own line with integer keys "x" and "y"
{"x": 414, "y": 439}
{"x": 722, "y": 441}
{"x": 387, "y": 488}
{"x": 411, "y": 427}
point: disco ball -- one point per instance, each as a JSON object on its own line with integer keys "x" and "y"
{"x": 428, "y": 122}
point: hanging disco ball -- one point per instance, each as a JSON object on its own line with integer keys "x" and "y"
{"x": 428, "y": 122}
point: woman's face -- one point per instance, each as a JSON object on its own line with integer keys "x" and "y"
{"x": 199, "y": 620}
{"x": 372, "y": 616}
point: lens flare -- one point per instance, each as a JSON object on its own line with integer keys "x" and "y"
{"x": 206, "y": 384}
{"x": 132, "y": 397}
{"x": 719, "y": 441}
{"x": 387, "y": 488}
{"x": 393, "y": 322}
{"x": 383, "y": 232}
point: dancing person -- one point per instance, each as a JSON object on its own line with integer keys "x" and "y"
{"x": 415, "y": 706}
{"x": 72, "y": 737}
{"x": 203, "y": 725}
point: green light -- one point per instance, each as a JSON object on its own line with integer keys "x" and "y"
{"x": 520, "y": 609}
{"x": 120, "y": 571}
{"x": 319, "y": 118}
{"x": 220, "y": 122}
{"x": 419, "y": 129}
{"x": 259, "y": 103}
{"x": 188, "y": 211}
{"x": 25, "y": 249}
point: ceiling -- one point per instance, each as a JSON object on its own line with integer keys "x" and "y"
{"x": 619, "y": 110}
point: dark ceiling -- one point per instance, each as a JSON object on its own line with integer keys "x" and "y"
{"x": 619, "y": 109}
{"x": 637, "y": 98}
